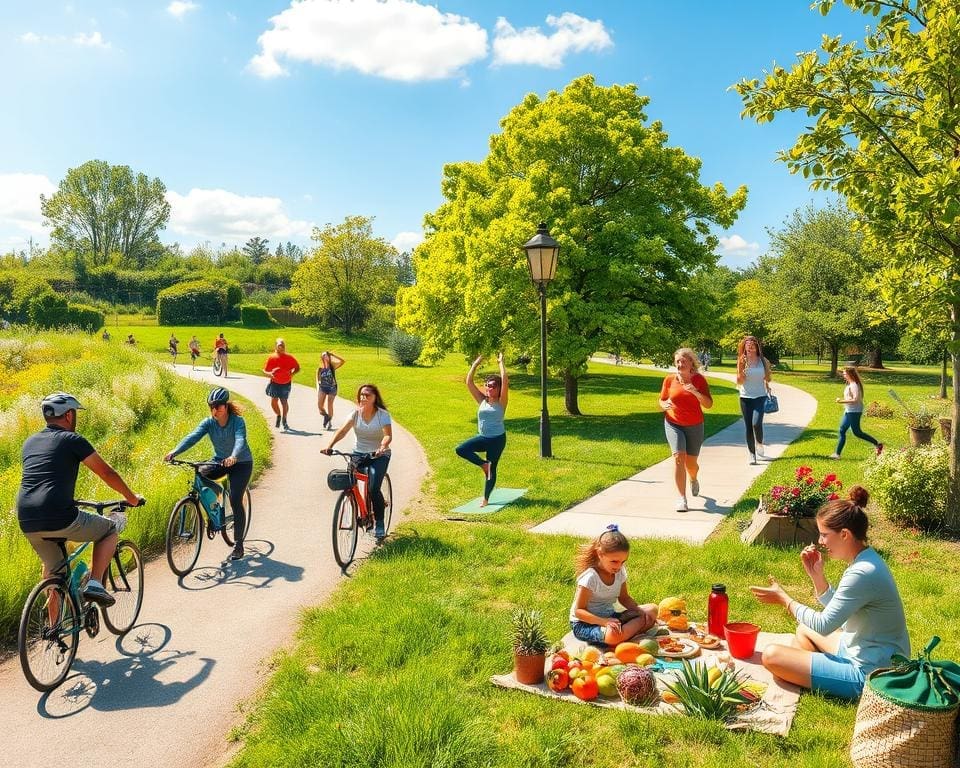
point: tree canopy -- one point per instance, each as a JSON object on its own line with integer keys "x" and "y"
{"x": 633, "y": 220}
{"x": 107, "y": 211}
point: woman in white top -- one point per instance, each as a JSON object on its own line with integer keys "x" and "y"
{"x": 753, "y": 381}
{"x": 374, "y": 431}
{"x": 852, "y": 401}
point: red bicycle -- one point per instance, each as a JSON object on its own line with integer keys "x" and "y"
{"x": 353, "y": 509}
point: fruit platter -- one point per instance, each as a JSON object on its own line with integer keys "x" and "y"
{"x": 677, "y": 647}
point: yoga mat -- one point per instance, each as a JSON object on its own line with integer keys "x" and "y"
{"x": 498, "y": 500}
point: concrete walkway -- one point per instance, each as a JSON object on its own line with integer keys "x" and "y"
{"x": 171, "y": 690}
{"x": 643, "y": 505}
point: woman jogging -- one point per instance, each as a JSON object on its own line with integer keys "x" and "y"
{"x": 327, "y": 386}
{"x": 852, "y": 402}
{"x": 753, "y": 381}
{"x": 492, "y": 434}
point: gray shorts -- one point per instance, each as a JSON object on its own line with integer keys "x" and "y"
{"x": 684, "y": 439}
{"x": 87, "y": 527}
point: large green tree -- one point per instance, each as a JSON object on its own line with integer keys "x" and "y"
{"x": 348, "y": 275}
{"x": 105, "y": 211}
{"x": 257, "y": 249}
{"x": 885, "y": 134}
{"x": 633, "y": 220}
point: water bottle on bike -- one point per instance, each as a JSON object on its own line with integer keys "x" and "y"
{"x": 214, "y": 507}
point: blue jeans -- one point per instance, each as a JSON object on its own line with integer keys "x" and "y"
{"x": 376, "y": 469}
{"x": 493, "y": 447}
{"x": 751, "y": 408}
{"x": 851, "y": 420}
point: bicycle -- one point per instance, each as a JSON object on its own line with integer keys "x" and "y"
{"x": 56, "y": 610}
{"x": 186, "y": 524}
{"x": 218, "y": 360}
{"x": 353, "y": 509}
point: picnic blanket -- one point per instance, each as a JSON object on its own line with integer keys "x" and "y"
{"x": 774, "y": 715}
{"x": 498, "y": 500}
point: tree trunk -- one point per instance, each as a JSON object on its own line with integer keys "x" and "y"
{"x": 876, "y": 358}
{"x": 952, "y": 521}
{"x": 943, "y": 376}
{"x": 571, "y": 393}
{"x": 834, "y": 359}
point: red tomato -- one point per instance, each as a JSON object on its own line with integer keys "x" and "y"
{"x": 559, "y": 662}
{"x": 585, "y": 688}
{"x": 558, "y": 679}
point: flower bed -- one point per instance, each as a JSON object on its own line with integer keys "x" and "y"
{"x": 786, "y": 515}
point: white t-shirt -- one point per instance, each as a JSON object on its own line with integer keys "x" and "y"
{"x": 754, "y": 381}
{"x": 370, "y": 433}
{"x": 852, "y": 392}
{"x": 602, "y": 596}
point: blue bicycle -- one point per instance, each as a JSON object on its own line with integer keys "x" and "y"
{"x": 56, "y": 611}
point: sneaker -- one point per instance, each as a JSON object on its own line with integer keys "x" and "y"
{"x": 95, "y": 593}
{"x": 285, "y": 426}
{"x": 879, "y": 448}
{"x": 760, "y": 453}
{"x": 753, "y": 458}
{"x": 277, "y": 425}
{"x": 695, "y": 486}
{"x": 486, "y": 469}
{"x": 834, "y": 455}
{"x": 327, "y": 421}
{"x": 237, "y": 553}
{"x": 681, "y": 504}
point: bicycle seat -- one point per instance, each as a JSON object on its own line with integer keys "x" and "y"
{"x": 55, "y": 539}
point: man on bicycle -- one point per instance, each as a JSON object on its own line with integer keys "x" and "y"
{"x": 45, "y": 502}
{"x": 222, "y": 350}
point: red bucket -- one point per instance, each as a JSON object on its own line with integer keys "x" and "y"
{"x": 741, "y": 638}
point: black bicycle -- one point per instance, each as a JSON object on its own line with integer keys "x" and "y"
{"x": 187, "y": 522}
{"x": 56, "y": 610}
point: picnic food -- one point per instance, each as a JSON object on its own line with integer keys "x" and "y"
{"x": 676, "y": 646}
{"x": 673, "y": 613}
{"x": 649, "y": 645}
{"x": 628, "y": 652}
{"x": 607, "y": 685}
{"x": 585, "y": 688}
{"x": 720, "y": 700}
{"x": 558, "y": 679}
{"x": 637, "y": 686}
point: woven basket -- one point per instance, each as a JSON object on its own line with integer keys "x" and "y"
{"x": 888, "y": 735}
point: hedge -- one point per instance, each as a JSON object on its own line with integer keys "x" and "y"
{"x": 256, "y": 316}
{"x": 194, "y": 303}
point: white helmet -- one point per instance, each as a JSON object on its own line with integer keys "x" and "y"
{"x": 58, "y": 404}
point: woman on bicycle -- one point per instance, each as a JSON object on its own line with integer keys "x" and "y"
{"x": 228, "y": 432}
{"x": 492, "y": 435}
{"x": 374, "y": 431}
{"x": 327, "y": 385}
{"x": 222, "y": 350}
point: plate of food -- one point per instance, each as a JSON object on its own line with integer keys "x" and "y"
{"x": 704, "y": 639}
{"x": 674, "y": 647}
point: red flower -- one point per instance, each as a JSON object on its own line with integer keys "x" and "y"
{"x": 810, "y": 480}
{"x": 832, "y": 497}
{"x": 803, "y": 472}
{"x": 795, "y": 491}
{"x": 831, "y": 478}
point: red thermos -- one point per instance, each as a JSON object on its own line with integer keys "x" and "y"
{"x": 717, "y": 610}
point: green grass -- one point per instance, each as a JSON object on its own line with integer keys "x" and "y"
{"x": 394, "y": 670}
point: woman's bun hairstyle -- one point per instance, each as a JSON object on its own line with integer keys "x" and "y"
{"x": 858, "y": 495}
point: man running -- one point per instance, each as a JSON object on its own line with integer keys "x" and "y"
{"x": 194, "y": 345}
{"x": 45, "y": 503}
{"x": 281, "y": 368}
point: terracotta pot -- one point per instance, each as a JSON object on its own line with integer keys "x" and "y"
{"x": 529, "y": 669}
{"x": 921, "y": 435}
{"x": 945, "y": 427}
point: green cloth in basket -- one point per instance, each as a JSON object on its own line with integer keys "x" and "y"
{"x": 919, "y": 683}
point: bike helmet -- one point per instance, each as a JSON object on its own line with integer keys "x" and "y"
{"x": 58, "y": 404}
{"x": 218, "y": 396}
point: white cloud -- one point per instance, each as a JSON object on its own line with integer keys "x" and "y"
{"x": 394, "y": 39}
{"x": 92, "y": 40}
{"x": 221, "y": 216}
{"x": 180, "y": 8}
{"x": 737, "y": 247}
{"x": 20, "y": 202}
{"x": 407, "y": 241}
{"x": 531, "y": 46}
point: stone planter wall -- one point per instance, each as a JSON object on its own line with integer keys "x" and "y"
{"x": 783, "y": 530}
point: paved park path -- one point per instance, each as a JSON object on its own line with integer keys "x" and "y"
{"x": 643, "y": 505}
{"x": 169, "y": 692}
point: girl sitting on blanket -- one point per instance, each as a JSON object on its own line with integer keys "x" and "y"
{"x": 862, "y": 623}
{"x": 602, "y": 582}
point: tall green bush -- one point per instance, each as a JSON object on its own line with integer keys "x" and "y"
{"x": 192, "y": 303}
{"x": 256, "y": 316}
{"x": 910, "y": 485}
{"x": 405, "y": 348}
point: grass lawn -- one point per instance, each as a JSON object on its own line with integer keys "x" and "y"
{"x": 394, "y": 671}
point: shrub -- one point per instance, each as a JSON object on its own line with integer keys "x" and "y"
{"x": 911, "y": 485}
{"x": 84, "y": 317}
{"x": 405, "y": 348}
{"x": 256, "y": 316}
{"x": 194, "y": 303}
{"x": 878, "y": 410}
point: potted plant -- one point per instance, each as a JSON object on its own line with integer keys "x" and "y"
{"x": 786, "y": 513}
{"x": 920, "y": 420}
{"x": 529, "y": 646}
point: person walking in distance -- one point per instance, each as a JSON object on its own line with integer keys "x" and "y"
{"x": 327, "y": 386}
{"x": 194, "y": 346}
{"x": 173, "y": 346}
{"x": 753, "y": 381}
{"x": 492, "y": 434}
{"x": 45, "y": 502}
{"x": 683, "y": 397}
{"x": 281, "y": 368}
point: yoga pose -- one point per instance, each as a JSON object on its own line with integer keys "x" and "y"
{"x": 492, "y": 434}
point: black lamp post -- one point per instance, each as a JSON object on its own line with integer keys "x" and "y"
{"x": 542, "y": 253}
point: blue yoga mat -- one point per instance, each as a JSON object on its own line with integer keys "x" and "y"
{"x": 498, "y": 500}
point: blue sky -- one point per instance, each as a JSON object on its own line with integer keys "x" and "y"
{"x": 268, "y": 118}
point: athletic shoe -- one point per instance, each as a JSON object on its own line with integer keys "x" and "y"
{"x": 760, "y": 452}
{"x": 95, "y": 593}
{"x": 286, "y": 426}
{"x": 695, "y": 486}
{"x": 834, "y": 455}
{"x": 277, "y": 425}
{"x": 327, "y": 421}
{"x": 681, "y": 504}
{"x": 753, "y": 458}
{"x": 237, "y": 553}
{"x": 879, "y": 448}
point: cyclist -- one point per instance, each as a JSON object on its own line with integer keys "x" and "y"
{"x": 281, "y": 368}
{"x": 374, "y": 430}
{"x": 228, "y": 432}
{"x": 45, "y": 506}
{"x": 222, "y": 350}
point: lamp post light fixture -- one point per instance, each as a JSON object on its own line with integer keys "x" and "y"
{"x": 542, "y": 253}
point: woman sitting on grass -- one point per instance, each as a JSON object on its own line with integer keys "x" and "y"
{"x": 602, "y": 582}
{"x": 862, "y": 624}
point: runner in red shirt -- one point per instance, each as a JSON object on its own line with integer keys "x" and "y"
{"x": 281, "y": 368}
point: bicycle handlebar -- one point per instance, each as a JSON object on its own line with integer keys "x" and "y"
{"x": 100, "y": 506}
{"x": 195, "y": 464}
{"x": 350, "y": 456}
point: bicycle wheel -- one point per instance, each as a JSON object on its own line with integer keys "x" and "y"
{"x": 345, "y": 529}
{"x": 227, "y": 530}
{"x": 387, "y": 490}
{"x": 217, "y": 365}
{"x": 47, "y": 650}
{"x": 184, "y": 536}
{"x": 125, "y": 582}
